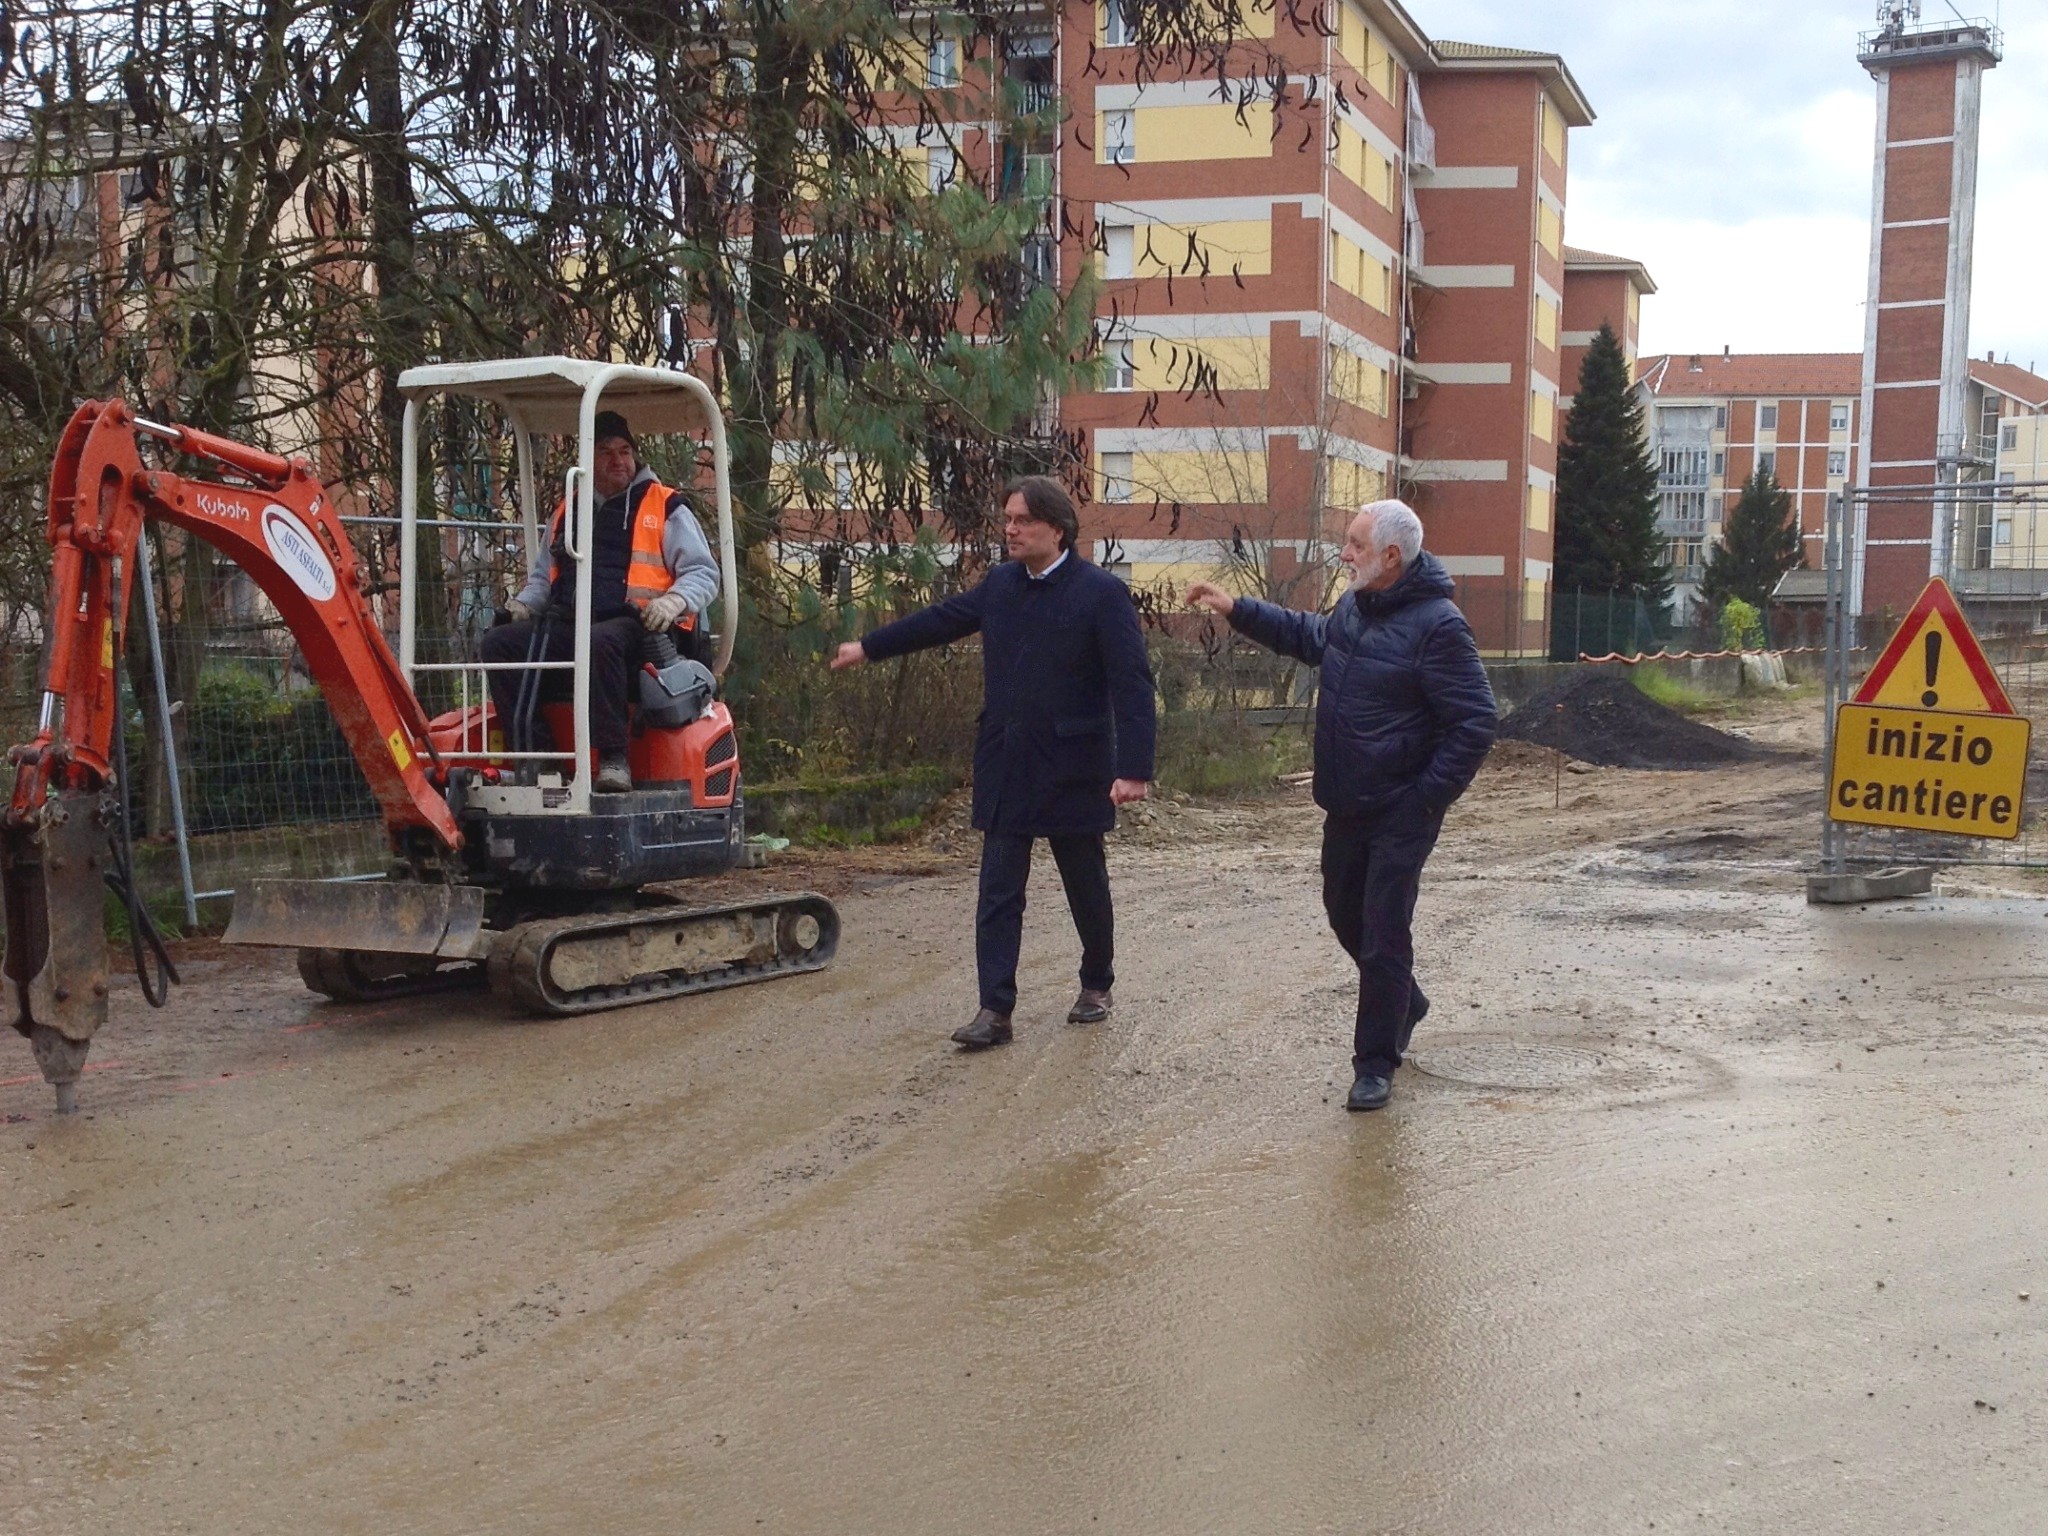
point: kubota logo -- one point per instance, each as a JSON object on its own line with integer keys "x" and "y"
{"x": 213, "y": 506}
{"x": 297, "y": 552}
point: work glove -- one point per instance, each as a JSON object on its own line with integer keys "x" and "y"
{"x": 664, "y": 610}
{"x": 521, "y": 614}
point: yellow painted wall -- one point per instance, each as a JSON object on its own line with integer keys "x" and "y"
{"x": 1235, "y": 246}
{"x": 1542, "y": 415}
{"x": 1172, "y": 577}
{"x": 1351, "y": 485}
{"x": 1533, "y": 607}
{"x": 1539, "y": 508}
{"x": 1553, "y": 131}
{"x": 1366, "y": 51}
{"x": 1546, "y": 322}
{"x": 1257, "y": 16}
{"x": 1364, "y": 166}
{"x": 1199, "y": 478}
{"x": 901, "y": 66}
{"x": 1175, "y": 365}
{"x": 1206, "y": 132}
{"x": 1358, "y": 380}
{"x": 1549, "y": 228}
{"x": 1360, "y": 273}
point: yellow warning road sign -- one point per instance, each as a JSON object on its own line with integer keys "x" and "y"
{"x": 1929, "y": 770}
{"x": 1934, "y": 661}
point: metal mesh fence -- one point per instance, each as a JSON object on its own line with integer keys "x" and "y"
{"x": 269, "y": 785}
{"x": 1510, "y": 619}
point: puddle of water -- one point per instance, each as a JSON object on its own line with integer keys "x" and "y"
{"x": 1509, "y": 1064}
{"x": 70, "y": 1351}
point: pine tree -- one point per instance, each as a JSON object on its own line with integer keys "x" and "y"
{"x": 1607, "y": 538}
{"x": 1759, "y": 544}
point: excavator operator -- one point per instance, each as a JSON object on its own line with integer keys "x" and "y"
{"x": 652, "y": 570}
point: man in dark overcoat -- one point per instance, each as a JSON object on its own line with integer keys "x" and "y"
{"x": 1066, "y": 736}
{"x": 1404, "y": 717}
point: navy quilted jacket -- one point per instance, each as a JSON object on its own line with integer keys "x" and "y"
{"x": 1404, "y": 704}
{"x": 1067, "y": 693}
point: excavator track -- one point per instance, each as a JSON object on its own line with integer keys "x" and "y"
{"x": 573, "y": 965}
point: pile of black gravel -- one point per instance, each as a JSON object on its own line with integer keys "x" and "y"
{"x": 1602, "y": 717}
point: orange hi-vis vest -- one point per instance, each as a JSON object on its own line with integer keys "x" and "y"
{"x": 647, "y": 572}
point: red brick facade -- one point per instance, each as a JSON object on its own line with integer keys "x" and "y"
{"x": 1913, "y": 431}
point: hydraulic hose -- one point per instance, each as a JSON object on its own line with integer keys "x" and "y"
{"x": 144, "y": 941}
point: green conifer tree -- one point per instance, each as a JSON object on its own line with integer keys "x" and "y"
{"x": 1607, "y": 538}
{"x": 1758, "y": 544}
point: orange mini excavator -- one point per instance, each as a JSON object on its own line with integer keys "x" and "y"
{"x": 506, "y": 868}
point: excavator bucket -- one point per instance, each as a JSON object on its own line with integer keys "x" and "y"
{"x": 386, "y": 917}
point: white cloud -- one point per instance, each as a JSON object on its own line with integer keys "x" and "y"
{"x": 1732, "y": 155}
{"x": 1786, "y": 284}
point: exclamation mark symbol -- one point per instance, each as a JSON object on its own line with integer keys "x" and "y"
{"x": 1930, "y": 698}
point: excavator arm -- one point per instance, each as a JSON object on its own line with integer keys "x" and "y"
{"x": 274, "y": 520}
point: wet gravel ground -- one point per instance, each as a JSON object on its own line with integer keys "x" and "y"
{"x": 1697, "y": 1209}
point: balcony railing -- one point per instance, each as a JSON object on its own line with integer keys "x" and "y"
{"x": 1966, "y": 450}
{"x": 1421, "y": 137}
{"x": 1939, "y": 41}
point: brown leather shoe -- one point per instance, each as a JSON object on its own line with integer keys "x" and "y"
{"x": 1091, "y": 1007}
{"x": 989, "y": 1028}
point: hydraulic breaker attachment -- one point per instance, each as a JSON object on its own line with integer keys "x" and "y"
{"x": 53, "y": 866}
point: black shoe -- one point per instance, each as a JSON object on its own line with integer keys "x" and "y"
{"x": 1408, "y": 1029}
{"x": 1091, "y": 1007}
{"x": 614, "y": 777}
{"x": 989, "y": 1028}
{"x": 1370, "y": 1091}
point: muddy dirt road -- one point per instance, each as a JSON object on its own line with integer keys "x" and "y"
{"x": 1700, "y": 1210}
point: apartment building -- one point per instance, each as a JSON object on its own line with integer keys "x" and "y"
{"x": 2008, "y": 406}
{"x": 1312, "y": 296}
{"x": 1715, "y": 418}
{"x": 1600, "y": 290}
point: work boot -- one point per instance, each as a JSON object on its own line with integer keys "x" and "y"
{"x": 989, "y": 1028}
{"x": 614, "y": 776}
{"x": 1091, "y": 1007}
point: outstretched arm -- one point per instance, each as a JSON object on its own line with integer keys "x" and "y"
{"x": 949, "y": 619}
{"x": 1274, "y": 627}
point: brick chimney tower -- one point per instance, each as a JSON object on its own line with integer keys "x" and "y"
{"x": 1916, "y": 332}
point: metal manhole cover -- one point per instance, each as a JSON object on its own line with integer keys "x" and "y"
{"x": 1508, "y": 1064}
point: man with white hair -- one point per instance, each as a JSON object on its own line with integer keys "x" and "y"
{"x": 1404, "y": 717}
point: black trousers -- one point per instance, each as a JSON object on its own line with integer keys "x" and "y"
{"x": 999, "y": 916}
{"x": 1372, "y": 870}
{"x": 614, "y": 652}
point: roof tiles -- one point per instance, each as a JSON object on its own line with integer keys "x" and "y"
{"x": 1765, "y": 374}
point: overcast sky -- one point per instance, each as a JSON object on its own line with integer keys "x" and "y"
{"x": 1731, "y": 153}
